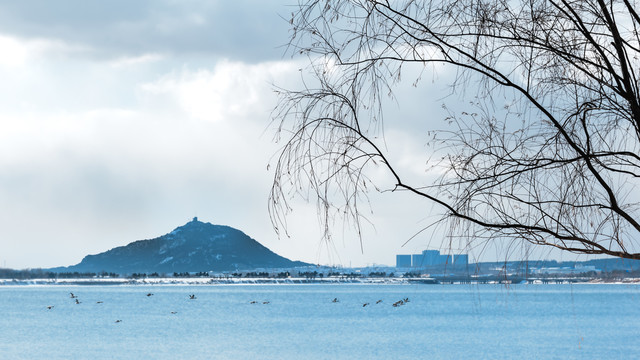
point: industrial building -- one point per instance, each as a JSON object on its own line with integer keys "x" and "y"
{"x": 431, "y": 258}
{"x": 461, "y": 259}
{"x": 403, "y": 260}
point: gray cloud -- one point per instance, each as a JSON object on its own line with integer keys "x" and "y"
{"x": 245, "y": 30}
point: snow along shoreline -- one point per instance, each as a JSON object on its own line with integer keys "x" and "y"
{"x": 270, "y": 281}
{"x": 202, "y": 281}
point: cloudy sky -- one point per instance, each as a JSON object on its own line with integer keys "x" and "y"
{"x": 122, "y": 120}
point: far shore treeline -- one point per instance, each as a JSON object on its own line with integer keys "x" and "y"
{"x": 606, "y": 269}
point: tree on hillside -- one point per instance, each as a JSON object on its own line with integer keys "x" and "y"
{"x": 558, "y": 166}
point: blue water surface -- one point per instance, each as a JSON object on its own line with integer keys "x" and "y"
{"x": 302, "y": 322}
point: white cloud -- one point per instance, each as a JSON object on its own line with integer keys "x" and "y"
{"x": 102, "y": 176}
{"x": 18, "y": 52}
{"x": 13, "y": 52}
{"x": 112, "y": 131}
{"x": 230, "y": 90}
{"x": 136, "y": 60}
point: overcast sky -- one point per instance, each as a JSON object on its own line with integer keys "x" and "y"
{"x": 123, "y": 120}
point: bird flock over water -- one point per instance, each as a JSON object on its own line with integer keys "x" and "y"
{"x": 77, "y": 301}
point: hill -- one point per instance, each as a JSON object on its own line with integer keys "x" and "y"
{"x": 194, "y": 247}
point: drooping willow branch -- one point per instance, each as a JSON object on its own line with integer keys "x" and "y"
{"x": 558, "y": 167}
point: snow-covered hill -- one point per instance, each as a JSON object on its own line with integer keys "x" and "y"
{"x": 194, "y": 247}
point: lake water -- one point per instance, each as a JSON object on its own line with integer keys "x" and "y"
{"x": 301, "y": 322}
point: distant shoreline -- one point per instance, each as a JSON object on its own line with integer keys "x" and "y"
{"x": 288, "y": 281}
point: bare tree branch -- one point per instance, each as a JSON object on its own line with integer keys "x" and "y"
{"x": 559, "y": 167}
